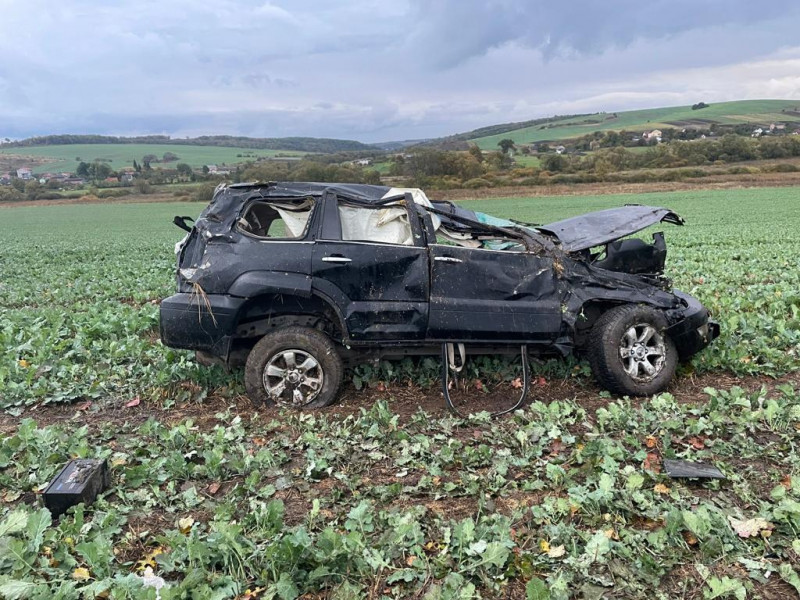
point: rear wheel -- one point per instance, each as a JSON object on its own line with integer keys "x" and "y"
{"x": 630, "y": 353}
{"x": 294, "y": 366}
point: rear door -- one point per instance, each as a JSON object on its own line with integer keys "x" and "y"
{"x": 492, "y": 295}
{"x": 372, "y": 262}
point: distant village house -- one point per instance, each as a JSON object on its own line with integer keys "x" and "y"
{"x": 215, "y": 170}
{"x": 656, "y": 135}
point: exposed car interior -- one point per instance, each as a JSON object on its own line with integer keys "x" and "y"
{"x": 277, "y": 218}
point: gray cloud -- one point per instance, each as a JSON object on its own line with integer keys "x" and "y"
{"x": 462, "y": 29}
{"x": 372, "y": 70}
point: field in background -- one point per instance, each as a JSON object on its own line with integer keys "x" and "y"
{"x": 363, "y": 500}
{"x": 743, "y": 111}
{"x": 67, "y": 157}
{"x": 527, "y": 161}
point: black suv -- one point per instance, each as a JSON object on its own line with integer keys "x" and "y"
{"x": 292, "y": 279}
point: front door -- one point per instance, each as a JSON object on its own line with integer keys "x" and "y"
{"x": 492, "y": 295}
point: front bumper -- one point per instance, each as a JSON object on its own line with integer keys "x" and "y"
{"x": 207, "y": 323}
{"x": 691, "y": 328}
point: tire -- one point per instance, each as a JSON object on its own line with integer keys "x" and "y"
{"x": 629, "y": 352}
{"x": 274, "y": 373}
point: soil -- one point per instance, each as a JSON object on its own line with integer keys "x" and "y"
{"x": 403, "y": 400}
{"x": 130, "y": 199}
{"x": 712, "y": 182}
{"x": 685, "y": 581}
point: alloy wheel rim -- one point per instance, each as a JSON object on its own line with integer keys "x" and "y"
{"x": 293, "y": 378}
{"x": 643, "y": 352}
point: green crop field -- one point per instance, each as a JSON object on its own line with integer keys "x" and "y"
{"x": 381, "y": 167}
{"x": 743, "y": 111}
{"x": 527, "y": 161}
{"x": 564, "y": 499}
{"x": 67, "y": 157}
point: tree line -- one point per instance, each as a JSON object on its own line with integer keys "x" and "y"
{"x": 306, "y": 170}
{"x": 299, "y": 144}
{"x": 727, "y": 149}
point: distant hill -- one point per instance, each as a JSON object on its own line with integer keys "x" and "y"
{"x": 56, "y": 158}
{"x": 394, "y": 146}
{"x": 500, "y": 131}
{"x": 757, "y": 112}
{"x": 297, "y": 144}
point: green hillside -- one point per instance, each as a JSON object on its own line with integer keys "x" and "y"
{"x": 66, "y": 157}
{"x": 743, "y": 111}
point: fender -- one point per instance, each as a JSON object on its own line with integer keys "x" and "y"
{"x": 332, "y": 294}
{"x": 336, "y": 299}
{"x": 257, "y": 283}
{"x": 288, "y": 303}
{"x": 336, "y": 311}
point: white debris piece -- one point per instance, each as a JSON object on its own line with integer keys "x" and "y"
{"x": 150, "y": 579}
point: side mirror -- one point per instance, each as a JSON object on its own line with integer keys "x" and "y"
{"x": 181, "y": 222}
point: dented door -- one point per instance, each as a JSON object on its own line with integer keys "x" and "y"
{"x": 381, "y": 289}
{"x": 479, "y": 294}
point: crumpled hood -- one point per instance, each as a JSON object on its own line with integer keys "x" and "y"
{"x": 604, "y": 226}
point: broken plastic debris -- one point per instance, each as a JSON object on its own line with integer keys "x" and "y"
{"x": 81, "y": 480}
{"x": 689, "y": 469}
{"x": 149, "y": 579}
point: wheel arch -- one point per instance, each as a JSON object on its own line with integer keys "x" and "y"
{"x": 591, "y": 309}
{"x": 588, "y": 314}
{"x": 266, "y": 312}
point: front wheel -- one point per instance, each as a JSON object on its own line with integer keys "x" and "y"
{"x": 294, "y": 366}
{"x": 630, "y": 353}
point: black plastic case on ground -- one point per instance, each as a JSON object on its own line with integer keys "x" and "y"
{"x": 81, "y": 480}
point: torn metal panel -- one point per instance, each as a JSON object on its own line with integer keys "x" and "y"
{"x": 691, "y": 470}
{"x": 601, "y": 227}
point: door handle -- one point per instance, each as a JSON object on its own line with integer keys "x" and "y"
{"x": 336, "y": 259}
{"x": 447, "y": 259}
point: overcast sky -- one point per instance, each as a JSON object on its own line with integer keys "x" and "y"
{"x": 376, "y": 70}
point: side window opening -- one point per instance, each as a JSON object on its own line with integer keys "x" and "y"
{"x": 277, "y": 218}
{"x": 469, "y": 237}
{"x": 385, "y": 224}
{"x": 476, "y": 240}
{"x": 455, "y": 226}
